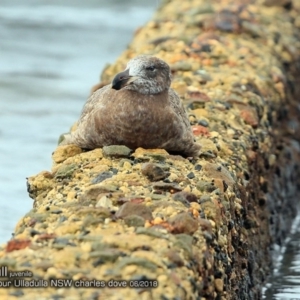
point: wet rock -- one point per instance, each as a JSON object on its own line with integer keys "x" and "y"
{"x": 130, "y": 208}
{"x": 154, "y": 172}
{"x": 102, "y": 176}
{"x": 116, "y": 151}
{"x": 183, "y": 223}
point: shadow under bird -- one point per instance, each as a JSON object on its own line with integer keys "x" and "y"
{"x": 138, "y": 109}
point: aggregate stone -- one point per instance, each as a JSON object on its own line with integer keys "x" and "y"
{"x": 166, "y": 186}
{"x": 183, "y": 223}
{"x": 154, "y": 172}
{"x": 136, "y": 261}
{"x": 109, "y": 255}
{"x": 151, "y": 232}
{"x": 104, "y": 202}
{"x": 116, "y": 151}
{"x": 102, "y": 176}
{"x": 198, "y": 167}
{"x": 205, "y": 186}
{"x": 65, "y": 171}
{"x": 94, "y": 191}
{"x": 190, "y": 175}
{"x": 185, "y": 197}
{"x": 134, "y": 220}
{"x": 203, "y": 122}
{"x": 130, "y": 208}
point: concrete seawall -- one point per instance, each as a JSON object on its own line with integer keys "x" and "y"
{"x": 116, "y": 224}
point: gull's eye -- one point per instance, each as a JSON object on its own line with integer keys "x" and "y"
{"x": 150, "y": 68}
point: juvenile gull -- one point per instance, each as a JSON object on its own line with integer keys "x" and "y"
{"x": 138, "y": 109}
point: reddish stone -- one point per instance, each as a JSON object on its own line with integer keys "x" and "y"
{"x": 198, "y": 96}
{"x": 31, "y": 222}
{"x": 137, "y": 200}
{"x": 17, "y": 244}
{"x": 200, "y": 130}
{"x": 46, "y": 236}
{"x": 250, "y": 117}
{"x": 183, "y": 223}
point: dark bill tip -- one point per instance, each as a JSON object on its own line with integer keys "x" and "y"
{"x": 120, "y": 80}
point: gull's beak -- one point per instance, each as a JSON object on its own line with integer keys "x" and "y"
{"x": 122, "y": 79}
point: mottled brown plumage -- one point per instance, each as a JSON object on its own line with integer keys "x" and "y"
{"x": 139, "y": 109}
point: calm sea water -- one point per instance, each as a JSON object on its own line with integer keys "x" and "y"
{"x": 52, "y": 52}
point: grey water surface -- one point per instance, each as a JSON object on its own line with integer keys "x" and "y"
{"x": 284, "y": 284}
{"x": 51, "y": 53}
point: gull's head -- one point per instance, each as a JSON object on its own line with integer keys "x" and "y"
{"x": 145, "y": 74}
